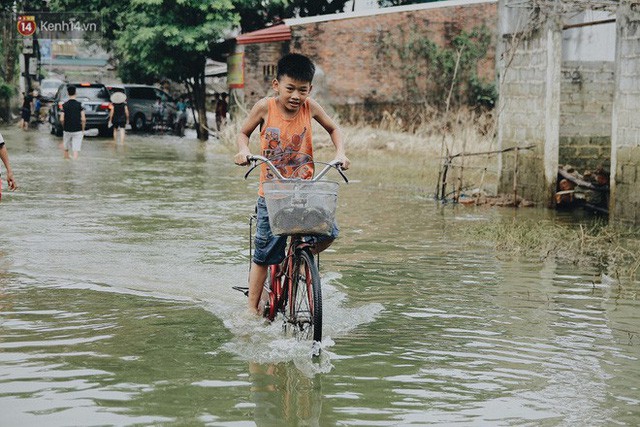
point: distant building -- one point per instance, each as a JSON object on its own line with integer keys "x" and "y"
{"x": 75, "y": 59}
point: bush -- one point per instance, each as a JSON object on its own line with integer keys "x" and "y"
{"x": 482, "y": 94}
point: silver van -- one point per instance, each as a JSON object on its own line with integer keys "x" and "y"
{"x": 140, "y": 100}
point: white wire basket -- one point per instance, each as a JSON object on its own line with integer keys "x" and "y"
{"x": 301, "y": 206}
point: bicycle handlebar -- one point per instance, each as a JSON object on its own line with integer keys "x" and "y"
{"x": 258, "y": 160}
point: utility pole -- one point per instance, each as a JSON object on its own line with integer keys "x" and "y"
{"x": 28, "y": 58}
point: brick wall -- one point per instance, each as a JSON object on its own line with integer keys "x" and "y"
{"x": 351, "y": 52}
{"x": 626, "y": 135}
{"x": 259, "y": 65}
{"x": 586, "y": 103}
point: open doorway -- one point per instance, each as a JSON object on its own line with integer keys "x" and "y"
{"x": 587, "y": 89}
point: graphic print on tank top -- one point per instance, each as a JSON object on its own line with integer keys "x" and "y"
{"x": 286, "y": 155}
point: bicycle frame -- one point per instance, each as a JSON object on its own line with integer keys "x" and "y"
{"x": 279, "y": 276}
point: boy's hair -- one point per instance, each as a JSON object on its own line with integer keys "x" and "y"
{"x": 296, "y": 66}
{"x": 71, "y": 90}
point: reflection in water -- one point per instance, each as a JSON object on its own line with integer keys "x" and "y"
{"x": 116, "y": 306}
{"x": 283, "y": 396}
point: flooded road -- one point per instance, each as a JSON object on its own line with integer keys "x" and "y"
{"x": 116, "y": 306}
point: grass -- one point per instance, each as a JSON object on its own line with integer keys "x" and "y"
{"x": 612, "y": 247}
{"x": 406, "y": 158}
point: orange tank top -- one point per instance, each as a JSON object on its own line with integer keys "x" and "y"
{"x": 287, "y": 143}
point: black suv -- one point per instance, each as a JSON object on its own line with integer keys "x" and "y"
{"x": 95, "y": 99}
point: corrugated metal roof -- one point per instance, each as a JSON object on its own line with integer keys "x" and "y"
{"x": 277, "y": 33}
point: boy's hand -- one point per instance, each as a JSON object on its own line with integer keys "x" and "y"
{"x": 11, "y": 181}
{"x": 240, "y": 159}
{"x": 342, "y": 158}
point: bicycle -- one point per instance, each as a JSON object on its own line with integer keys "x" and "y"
{"x": 297, "y": 208}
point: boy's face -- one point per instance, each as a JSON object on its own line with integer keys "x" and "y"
{"x": 291, "y": 92}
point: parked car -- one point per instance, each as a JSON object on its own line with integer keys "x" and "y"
{"x": 140, "y": 100}
{"x": 48, "y": 89}
{"x": 95, "y": 99}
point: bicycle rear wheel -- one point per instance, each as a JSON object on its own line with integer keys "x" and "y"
{"x": 305, "y": 304}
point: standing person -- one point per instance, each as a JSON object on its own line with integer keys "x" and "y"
{"x": 4, "y": 156}
{"x": 25, "y": 110}
{"x": 158, "y": 113}
{"x": 214, "y": 105}
{"x": 37, "y": 105}
{"x": 221, "y": 111}
{"x": 285, "y": 123}
{"x": 181, "y": 120}
{"x": 73, "y": 122}
{"x": 118, "y": 115}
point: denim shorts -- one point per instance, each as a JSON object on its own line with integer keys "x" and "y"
{"x": 270, "y": 249}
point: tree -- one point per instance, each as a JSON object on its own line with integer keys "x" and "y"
{"x": 110, "y": 13}
{"x": 170, "y": 39}
{"x": 162, "y": 39}
{"x": 257, "y": 14}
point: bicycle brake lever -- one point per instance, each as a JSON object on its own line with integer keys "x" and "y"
{"x": 255, "y": 164}
{"x": 338, "y": 167}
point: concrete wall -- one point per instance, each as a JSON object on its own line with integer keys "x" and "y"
{"x": 625, "y": 155}
{"x": 530, "y": 113}
{"x": 586, "y": 101}
{"x": 590, "y": 43}
{"x": 529, "y": 110}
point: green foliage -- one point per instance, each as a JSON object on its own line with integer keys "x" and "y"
{"x": 257, "y": 14}
{"x": 482, "y": 94}
{"x": 431, "y": 71}
{"x": 6, "y": 90}
{"x": 110, "y": 12}
{"x": 171, "y": 39}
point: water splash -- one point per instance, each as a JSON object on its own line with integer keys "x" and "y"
{"x": 257, "y": 340}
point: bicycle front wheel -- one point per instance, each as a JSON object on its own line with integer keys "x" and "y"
{"x": 305, "y": 304}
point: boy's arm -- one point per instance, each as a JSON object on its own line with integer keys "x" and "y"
{"x": 256, "y": 116}
{"x": 4, "y": 156}
{"x": 321, "y": 116}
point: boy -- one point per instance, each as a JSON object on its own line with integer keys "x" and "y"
{"x": 73, "y": 122}
{"x": 285, "y": 130}
{"x": 4, "y": 156}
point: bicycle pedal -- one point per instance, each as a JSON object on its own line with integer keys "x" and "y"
{"x": 242, "y": 289}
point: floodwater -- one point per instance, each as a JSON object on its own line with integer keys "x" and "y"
{"x": 116, "y": 306}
